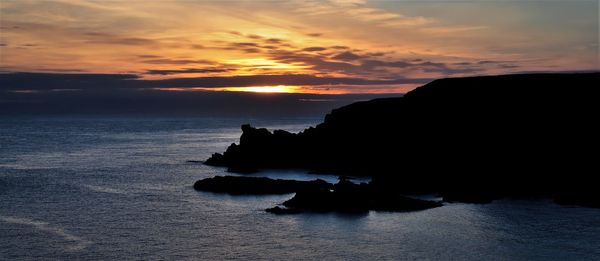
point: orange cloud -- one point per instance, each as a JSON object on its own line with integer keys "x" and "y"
{"x": 371, "y": 40}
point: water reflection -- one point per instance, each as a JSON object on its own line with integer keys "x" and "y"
{"x": 133, "y": 197}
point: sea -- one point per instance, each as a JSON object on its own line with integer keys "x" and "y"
{"x": 120, "y": 188}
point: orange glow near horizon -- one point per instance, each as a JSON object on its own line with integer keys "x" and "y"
{"x": 265, "y": 89}
{"x": 369, "y": 43}
{"x": 324, "y": 89}
{"x": 256, "y": 89}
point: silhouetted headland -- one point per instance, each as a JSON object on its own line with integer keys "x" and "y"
{"x": 472, "y": 139}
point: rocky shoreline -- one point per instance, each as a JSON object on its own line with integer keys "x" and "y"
{"x": 237, "y": 185}
{"x": 316, "y": 195}
{"x": 473, "y": 139}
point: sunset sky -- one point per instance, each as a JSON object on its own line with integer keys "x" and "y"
{"x": 332, "y": 47}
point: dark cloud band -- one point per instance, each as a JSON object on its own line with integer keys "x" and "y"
{"x": 48, "y": 81}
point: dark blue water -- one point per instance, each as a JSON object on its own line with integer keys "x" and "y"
{"x": 120, "y": 188}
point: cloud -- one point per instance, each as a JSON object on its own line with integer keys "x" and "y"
{"x": 274, "y": 40}
{"x": 251, "y": 50}
{"x": 314, "y": 49}
{"x": 403, "y": 22}
{"x": 261, "y": 43}
{"x": 492, "y": 62}
{"x": 254, "y": 36}
{"x": 48, "y": 81}
{"x": 445, "y": 69}
{"x": 314, "y": 8}
{"x": 347, "y": 56}
{"x": 149, "y": 56}
{"x": 365, "y": 65}
{"x": 371, "y": 14}
{"x": 349, "y": 2}
{"x": 452, "y": 29}
{"x": 193, "y": 103}
{"x": 61, "y": 93}
{"x": 271, "y": 47}
{"x": 106, "y": 38}
{"x": 369, "y": 64}
{"x": 174, "y": 61}
{"x": 252, "y": 47}
{"x": 244, "y": 44}
{"x": 508, "y": 66}
{"x": 375, "y": 54}
{"x": 317, "y": 62}
{"x": 189, "y": 70}
{"x": 359, "y": 10}
{"x": 268, "y": 80}
{"x": 339, "y": 47}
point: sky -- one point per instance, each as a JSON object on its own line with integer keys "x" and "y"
{"x": 309, "y": 47}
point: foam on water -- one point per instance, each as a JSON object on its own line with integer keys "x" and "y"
{"x": 75, "y": 243}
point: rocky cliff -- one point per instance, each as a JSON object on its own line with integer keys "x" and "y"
{"x": 470, "y": 139}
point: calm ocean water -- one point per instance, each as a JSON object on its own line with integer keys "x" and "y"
{"x": 120, "y": 188}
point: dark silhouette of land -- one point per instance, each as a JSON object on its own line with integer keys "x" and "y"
{"x": 316, "y": 195}
{"x": 472, "y": 139}
{"x": 355, "y": 198}
{"x": 258, "y": 185}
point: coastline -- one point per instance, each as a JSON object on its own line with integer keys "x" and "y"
{"x": 483, "y": 138}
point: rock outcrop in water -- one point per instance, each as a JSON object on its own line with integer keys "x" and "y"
{"x": 469, "y": 139}
{"x": 348, "y": 197}
{"x": 260, "y": 148}
{"x": 258, "y": 185}
{"x": 316, "y": 195}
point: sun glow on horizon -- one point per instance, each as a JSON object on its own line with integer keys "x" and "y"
{"x": 256, "y": 89}
{"x": 367, "y": 44}
{"x": 301, "y": 89}
{"x": 265, "y": 89}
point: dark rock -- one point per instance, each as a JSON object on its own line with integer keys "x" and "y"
{"x": 584, "y": 198}
{"x": 504, "y": 135}
{"x": 257, "y": 185}
{"x": 217, "y": 159}
{"x": 316, "y": 195}
{"x": 347, "y": 197}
